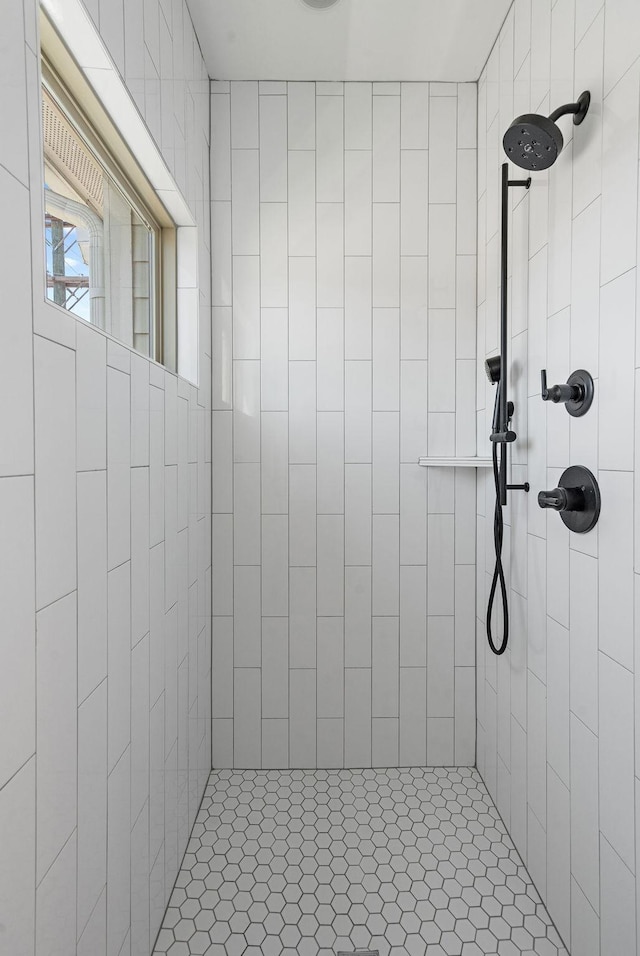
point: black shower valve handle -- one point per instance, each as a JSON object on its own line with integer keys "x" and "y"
{"x": 562, "y": 499}
{"x": 559, "y": 393}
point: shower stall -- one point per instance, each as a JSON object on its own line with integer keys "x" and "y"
{"x": 296, "y": 655}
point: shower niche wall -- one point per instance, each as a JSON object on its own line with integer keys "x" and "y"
{"x": 344, "y": 255}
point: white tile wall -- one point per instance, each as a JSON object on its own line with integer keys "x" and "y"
{"x": 332, "y": 644}
{"x": 556, "y": 719}
{"x": 90, "y": 845}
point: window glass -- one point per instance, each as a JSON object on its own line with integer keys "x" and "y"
{"x": 101, "y": 249}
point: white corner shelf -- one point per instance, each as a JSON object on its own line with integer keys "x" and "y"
{"x": 455, "y": 462}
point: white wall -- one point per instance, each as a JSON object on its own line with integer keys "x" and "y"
{"x": 344, "y": 348}
{"x": 556, "y": 713}
{"x": 104, "y": 543}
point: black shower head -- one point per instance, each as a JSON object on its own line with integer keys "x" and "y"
{"x": 492, "y": 368}
{"x": 534, "y": 142}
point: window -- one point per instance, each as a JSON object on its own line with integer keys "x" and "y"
{"x": 110, "y": 246}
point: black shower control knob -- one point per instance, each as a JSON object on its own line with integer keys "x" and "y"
{"x": 562, "y": 499}
{"x": 577, "y": 499}
{"x": 576, "y": 395}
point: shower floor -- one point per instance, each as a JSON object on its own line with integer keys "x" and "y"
{"x": 300, "y": 863}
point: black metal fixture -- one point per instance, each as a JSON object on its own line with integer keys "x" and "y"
{"x": 577, "y": 499}
{"x": 501, "y": 432}
{"x": 534, "y": 141}
{"x": 577, "y": 394}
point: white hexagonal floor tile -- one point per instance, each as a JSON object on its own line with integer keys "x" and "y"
{"x": 408, "y": 862}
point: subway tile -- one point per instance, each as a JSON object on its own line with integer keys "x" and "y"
{"x": 358, "y": 407}
{"x": 414, "y": 110}
{"x": 386, "y": 352}
{"x": 386, "y": 149}
{"x": 386, "y": 259}
{"x": 302, "y": 515}
{"x": 246, "y": 516}
{"x": 221, "y": 251}
{"x": 302, "y": 718}
{"x": 55, "y": 902}
{"x": 275, "y": 466}
{"x": 91, "y": 399}
{"x": 357, "y": 514}
{"x": 275, "y": 667}
{"x": 357, "y": 717}
{"x": 275, "y": 567}
{"x": 245, "y": 202}
{"x": 246, "y": 308}
{"x": 274, "y": 387}
{"x": 413, "y": 514}
{"x": 414, "y": 182}
{"x": 247, "y": 626}
{"x": 329, "y": 149}
{"x": 55, "y": 490}
{"x": 246, "y": 411}
{"x": 385, "y": 668}
{"x": 274, "y": 279}
{"x": 385, "y": 741}
{"x": 358, "y": 107}
{"x": 615, "y": 369}
{"x": 357, "y": 307}
{"x": 440, "y": 666}
{"x": 385, "y": 580}
{"x": 622, "y": 24}
{"x": 330, "y": 564}
{"x": 302, "y": 306}
{"x": 246, "y": 723}
{"x": 222, "y": 564}
{"x": 301, "y": 184}
{"x": 302, "y": 617}
{"x": 222, "y": 668}
{"x": 92, "y": 803}
{"x": 558, "y": 683}
{"x": 330, "y": 667}
{"x": 357, "y": 616}
{"x": 118, "y": 468}
{"x": 442, "y": 256}
{"x": 413, "y": 307}
{"x": 302, "y": 412}
{"x": 18, "y": 640}
{"x": 442, "y": 149}
{"x": 221, "y": 154}
{"x": 439, "y": 741}
{"x": 413, "y": 616}
{"x": 273, "y": 149}
{"x": 119, "y": 662}
{"x": 56, "y": 730}
{"x": 413, "y": 716}
{"x": 386, "y": 463}
{"x": 330, "y": 364}
{"x": 222, "y": 468}
{"x": 17, "y": 884}
{"x": 442, "y": 362}
{"x": 584, "y": 811}
{"x": 440, "y": 564}
{"x": 616, "y": 758}
{"x": 357, "y": 203}
{"x": 617, "y": 901}
{"x": 330, "y": 254}
{"x": 465, "y": 716}
{"x": 615, "y": 568}
{"x": 585, "y": 923}
{"x": 275, "y": 742}
{"x": 330, "y": 470}
{"x": 301, "y": 106}
{"x": 244, "y": 115}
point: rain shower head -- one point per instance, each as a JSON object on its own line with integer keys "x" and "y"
{"x": 492, "y": 368}
{"x": 534, "y": 142}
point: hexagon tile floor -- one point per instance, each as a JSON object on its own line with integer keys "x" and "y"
{"x": 299, "y": 863}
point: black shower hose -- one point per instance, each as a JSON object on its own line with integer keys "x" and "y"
{"x": 498, "y": 571}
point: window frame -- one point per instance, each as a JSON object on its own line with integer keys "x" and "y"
{"x": 68, "y": 87}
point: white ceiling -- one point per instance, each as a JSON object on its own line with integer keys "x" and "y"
{"x": 353, "y": 40}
